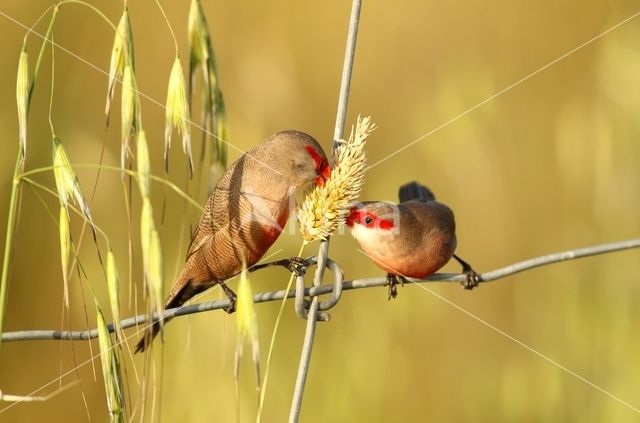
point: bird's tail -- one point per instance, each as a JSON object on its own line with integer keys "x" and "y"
{"x": 149, "y": 336}
{"x": 175, "y": 299}
{"x": 415, "y": 191}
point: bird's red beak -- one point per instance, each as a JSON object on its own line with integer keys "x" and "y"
{"x": 352, "y": 218}
{"x": 324, "y": 172}
{"x": 322, "y": 167}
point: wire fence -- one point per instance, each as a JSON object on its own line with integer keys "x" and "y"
{"x": 314, "y": 292}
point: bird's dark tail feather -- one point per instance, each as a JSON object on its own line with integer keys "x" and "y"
{"x": 415, "y": 191}
{"x": 148, "y": 337}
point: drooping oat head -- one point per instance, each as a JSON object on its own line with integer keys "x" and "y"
{"x": 177, "y": 113}
{"x": 22, "y": 99}
{"x": 327, "y": 206}
{"x": 121, "y": 55}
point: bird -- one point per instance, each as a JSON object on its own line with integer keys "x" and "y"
{"x": 244, "y": 215}
{"x": 411, "y": 239}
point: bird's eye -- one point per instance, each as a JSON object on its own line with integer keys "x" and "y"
{"x": 368, "y": 220}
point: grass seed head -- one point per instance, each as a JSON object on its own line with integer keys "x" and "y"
{"x": 65, "y": 250}
{"x": 121, "y": 55}
{"x": 113, "y": 287}
{"x": 246, "y": 326}
{"x": 67, "y": 183}
{"x": 156, "y": 271}
{"x": 221, "y": 132}
{"x": 151, "y": 256}
{"x": 110, "y": 370}
{"x": 327, "y": 206}
{"x": 130, "y": 104}
{"x": 198, "y": 34}
{"x": 143, "y": 163}
{"x": 22, "y": 98}
{"x": 177, "y": 113}
{"x": 146, "y": 228}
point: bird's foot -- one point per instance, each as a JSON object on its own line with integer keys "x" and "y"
{"x": 392, "y": 282}
{"x": 296, "y": 265}
{"x": 472, "y": 277}
{"x": 233, "y": 298}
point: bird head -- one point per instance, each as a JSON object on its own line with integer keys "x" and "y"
{"x": 301, "y": 157}
{"x": 373, "y": 218}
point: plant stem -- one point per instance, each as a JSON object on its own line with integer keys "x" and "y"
{"x": 8, "y": 244}
{"x": 273, "y": 341}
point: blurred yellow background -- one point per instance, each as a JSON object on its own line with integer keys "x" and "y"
{"x": 548, "y": 165}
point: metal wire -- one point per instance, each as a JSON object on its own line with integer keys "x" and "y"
{"x": 323, "y": 251}
{"x": 27, "y": 335}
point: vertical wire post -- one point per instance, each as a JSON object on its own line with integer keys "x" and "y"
{"x": 323, "y": 251}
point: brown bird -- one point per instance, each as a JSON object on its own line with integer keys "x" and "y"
{"x": 245, "y": 214}
{"x": 412, "y": 239}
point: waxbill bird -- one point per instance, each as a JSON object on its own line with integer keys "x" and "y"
{"x": 412, "y": 239}
{"x": 245, "y": 214}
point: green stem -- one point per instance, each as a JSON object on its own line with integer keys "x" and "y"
{"x": 166, "y": 19}
{"x": 47, "y": 38}
{"x": 8, "y": 243}
{"x": 272, "y": 343}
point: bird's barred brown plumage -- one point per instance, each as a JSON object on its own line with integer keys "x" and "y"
{"x": 245, "y": 214}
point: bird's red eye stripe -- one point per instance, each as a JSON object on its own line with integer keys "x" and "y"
{"x": 316, "y": 157}
{"x": 322, "y": 167}
{"x": 368, "y": 220}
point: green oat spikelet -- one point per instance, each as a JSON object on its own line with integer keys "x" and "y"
{"x": 110, "y": 370}
{"x": 199, "y": 40}
{"x": 246, "y": 327}
{"x": 130, "y": 104}
{"x": 177, "y": 114}
{"x": 156, "y": 272}
{"x": 214, "y": 117}
{"x": 327, "y": 206}
{"x": 151, "y": 256}
{"x": 22, "y": 99}
{"x": 143, "y": 164}
{"x": 65, "y": 250}
{"x": 146, "y": 228}
{"x": 121, "y": 55}
{"x": 67, "y": 183}
{"x": 221, "y": 130}
{"x": 113, "y": 287}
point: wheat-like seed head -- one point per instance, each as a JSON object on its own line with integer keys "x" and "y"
{"x": 327, "y": 206}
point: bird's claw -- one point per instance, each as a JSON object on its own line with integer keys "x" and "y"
{"x": 297, "y": 265}
{"x": 471, "y": 280}
{"x": 233, "y": 299}
{"x": 392, "y": 282}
